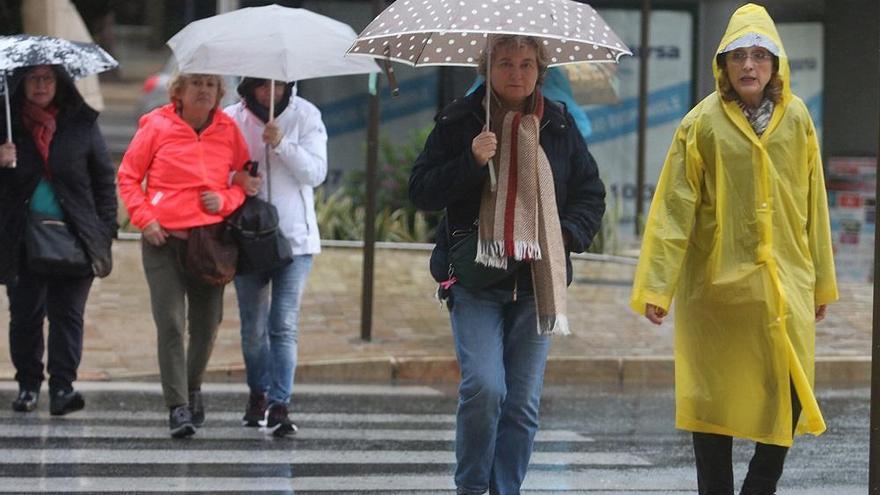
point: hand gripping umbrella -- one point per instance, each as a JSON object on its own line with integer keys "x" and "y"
{"x": 77, "y": 58}
{"x": 456, "y": 32}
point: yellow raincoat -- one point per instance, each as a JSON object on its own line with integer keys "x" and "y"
{"x": 738, "y": 232}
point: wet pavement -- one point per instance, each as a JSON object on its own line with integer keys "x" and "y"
{"x": 390, "y": 439}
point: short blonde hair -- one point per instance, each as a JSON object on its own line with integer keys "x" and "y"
{"x": 179, "y": 80}
{"x": 516, "y": 41}
{"x": 773, "y": 90}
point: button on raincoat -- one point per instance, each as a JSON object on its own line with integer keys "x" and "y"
{"x": 738, "y": 232}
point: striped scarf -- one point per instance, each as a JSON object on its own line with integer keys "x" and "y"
{"x": 519, "y": 219}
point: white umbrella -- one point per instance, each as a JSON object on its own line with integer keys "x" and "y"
{"x": 455, "y": 32}
{"x": 273, "y": 42}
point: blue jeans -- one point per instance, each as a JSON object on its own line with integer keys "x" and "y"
{"x": 502, "y": 360}
{"x": 268, "y": 304}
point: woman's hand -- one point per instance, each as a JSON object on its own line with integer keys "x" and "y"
{"x": 820, "y": 312}
{"x": 246, "y": 181}
{"x": 272, "y": 134}
{"x": 211, "y": 201}
{"x": 484, "y": 146}
{"x": 155, "y": 234}
{"x": 7, "y": 155}
{"x": 654, "y": 314}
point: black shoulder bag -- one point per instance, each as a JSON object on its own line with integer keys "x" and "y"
{"x": 463, "y": 265}
{"x": 254, "y": 226}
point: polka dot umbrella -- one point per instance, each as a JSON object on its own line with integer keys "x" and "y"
{"x": 456, "y": 32}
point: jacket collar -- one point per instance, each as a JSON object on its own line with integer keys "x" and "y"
{"x": 555, "y": 116}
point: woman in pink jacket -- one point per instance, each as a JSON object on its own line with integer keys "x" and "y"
{"x": 184, "y": 154}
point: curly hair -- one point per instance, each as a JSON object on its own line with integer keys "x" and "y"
{"x": 773, "y": 90}
{"x": 178, "y": 80}
{"x": 517, "y": 41}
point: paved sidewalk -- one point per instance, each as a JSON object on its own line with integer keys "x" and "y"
{"x": 411, "y": 337}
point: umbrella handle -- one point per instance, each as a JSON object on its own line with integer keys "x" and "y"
{"x": 8, "y": 115}
{"x": 271, "y": 100}
{"x": 493, "y": 182}
{"x": 389, "y": 72}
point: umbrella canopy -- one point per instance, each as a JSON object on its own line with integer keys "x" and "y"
{"x": 78, "y": 59}
{"x": 273, "y": 42}
{"x": 455, "y": 32}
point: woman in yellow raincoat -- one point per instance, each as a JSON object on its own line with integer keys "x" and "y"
{"x": 738, "y": 232}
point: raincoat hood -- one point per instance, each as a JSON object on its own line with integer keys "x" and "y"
{"x": 751, "y": 18}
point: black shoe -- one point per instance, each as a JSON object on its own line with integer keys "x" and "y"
{"x": 62, "y": 402}
{"x": 256, "y": 410}
{"x": 197, "y": 408}
{"x": 26, "y": 401}
{"x": 180, "y": 422}
{"x": 277, "y": 421}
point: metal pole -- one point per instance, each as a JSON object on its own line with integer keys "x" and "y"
{"x": 224, "y": 6}
{"x": 8, "y": 114}
{"x": 644, "y": 54}
{"x": 874, "y": 455}
{"x": 370, "y": 207}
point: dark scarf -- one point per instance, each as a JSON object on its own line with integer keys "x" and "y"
{"x": 41, "y": 124}
{"x": 262, "y": 112}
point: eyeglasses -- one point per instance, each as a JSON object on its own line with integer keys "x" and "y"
{"x": 759, "y": 57}
{"x": 38, "y": 79}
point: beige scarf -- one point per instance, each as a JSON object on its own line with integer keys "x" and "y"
{"x": 519, "y": 219}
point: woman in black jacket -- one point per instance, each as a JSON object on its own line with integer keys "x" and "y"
{"x": 58, "y": 165}
{"x": 547, "y": 201}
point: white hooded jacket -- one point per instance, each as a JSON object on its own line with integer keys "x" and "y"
{"x": 296, "y": 166}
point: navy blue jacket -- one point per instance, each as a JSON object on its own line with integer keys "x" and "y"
{"x": 446, "y": 175}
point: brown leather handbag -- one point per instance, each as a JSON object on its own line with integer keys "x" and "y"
{"x": 211, "y": 254}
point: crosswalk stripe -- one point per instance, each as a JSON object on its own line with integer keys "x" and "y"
{"x": 581, "y": 482}
{"x": 301, "y": 457}
{"x": 240, "y": 433}
{"x": 300, "y": 389}
{"x": 596, "y": 482}
{"x": 235, "y": 417}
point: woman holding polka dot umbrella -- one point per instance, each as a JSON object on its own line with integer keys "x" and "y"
{"x": 548, "y": 202}
{"x": 457, "y": 32}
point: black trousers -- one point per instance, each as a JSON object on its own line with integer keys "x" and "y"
{"x": 713, "y": 454}
{"x": 32, "y": 298}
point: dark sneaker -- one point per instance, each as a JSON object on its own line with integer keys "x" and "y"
{"x": 197, "y": 408}
{"x": 26, "y": 401}
{"x": 277, "y": 421}
{"x": 63, "y": 402}
{"x": 180, "y": 422}
{"x": 256, "y": 410}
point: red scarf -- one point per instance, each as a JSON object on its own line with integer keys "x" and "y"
{"x": 41, "y": 123}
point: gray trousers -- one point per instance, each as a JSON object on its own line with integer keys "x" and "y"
{"x": 180, "y": 302}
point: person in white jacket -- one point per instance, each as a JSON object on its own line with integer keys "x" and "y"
{"x": 291, "y": 150}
